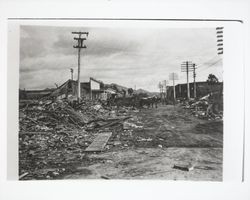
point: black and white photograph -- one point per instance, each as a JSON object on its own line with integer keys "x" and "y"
{"x": 120, "y": 103}
{"x": 124, "y": 99}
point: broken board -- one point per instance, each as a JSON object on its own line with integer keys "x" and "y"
{"x": 99, "y": 142}
{"x": 184, "y": 167}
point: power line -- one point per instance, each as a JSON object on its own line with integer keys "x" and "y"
{"x": 216, "y": 56}
{"x": 212, "y": 64}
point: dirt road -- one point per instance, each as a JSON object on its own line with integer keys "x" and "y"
{"x": 152, "y": 142}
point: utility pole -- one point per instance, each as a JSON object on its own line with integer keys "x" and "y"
{"x": 188, "y": 91}
{"x": 160, "y": 87}
{"x": 187, "y": 67}
{"x": 165, "y": 90}
{"x": 71, "y": 71}
{"x": 174, "y": 87}
{"x": 79, "y": 46}
{"x": 173, "y": 77}
{"x": 194, "y": 75}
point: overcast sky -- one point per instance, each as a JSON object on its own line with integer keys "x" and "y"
{"x": 129, "y": 57}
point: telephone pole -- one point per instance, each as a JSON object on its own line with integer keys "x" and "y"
{"x": 164, "y": 84}
{"x": 160, "y": 87}
{"x": 187, "y": 67}
{"x": 79, "y": 46}
{"x": 71, "y": 71}
{"x": 194, "y": 75}
{"x": 173, "y": 77}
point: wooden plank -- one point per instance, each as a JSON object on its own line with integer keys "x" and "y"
{"x": 34, "y": 132}
{"x": 23, "y": 175}
{"x": 114, "y": 122}
{"x": 99, "y": 142}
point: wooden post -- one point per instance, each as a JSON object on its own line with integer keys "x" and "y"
{"x": 188, "y": 91}
{"x": 174, "y": 87}
{"x": 79, "y": 47}
{"x": 194, "y": 75}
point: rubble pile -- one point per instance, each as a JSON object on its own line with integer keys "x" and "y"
{"x": 47, "y": 155}
{"x": 54, "y": 134}
{"x": 49, "y": 115}
{"x": 205, "y": 107}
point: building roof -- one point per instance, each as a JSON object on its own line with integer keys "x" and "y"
{"x": 62, "y": 88}
{"x": 93, "y": 79}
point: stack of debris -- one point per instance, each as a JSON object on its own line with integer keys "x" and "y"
{"x": 53, "y": 135}
{"x": 47, "y": 115}
{"x": 206, "y": 107}
{"x": 50, "y": 154}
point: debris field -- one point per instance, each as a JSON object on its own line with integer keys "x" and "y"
{"x": 58, "y": 140}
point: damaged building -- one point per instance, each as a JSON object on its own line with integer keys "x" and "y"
{"x": 91, "y": 90}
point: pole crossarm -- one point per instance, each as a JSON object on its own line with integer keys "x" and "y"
{"x": 80, "y": 33}
{"x": 80, "y": 47}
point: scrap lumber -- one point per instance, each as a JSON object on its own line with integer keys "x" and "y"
{"x": 99, "y": 142}
{"x": 114, "y": 122}
{"x": 23, "y": 175}
{"x": 35, "y": 132}
{"x": 184, "y": 167}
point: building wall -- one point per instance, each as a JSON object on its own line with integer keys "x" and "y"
{"x": 202, "y": 89}
{"x": 32, "y": 94}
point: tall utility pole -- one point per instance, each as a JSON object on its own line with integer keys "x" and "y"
{"x": 194, "y": 75}
{"x": 187, "y": 67}
{"x": 164, "y": 89}
{"x": 71, "y": 71}
{"x": 173, "y": 77}
{"x": 160, "y": 87}
{"x": 188, "y": 91}
{"x": 79, "y": 46}
{"x": 174, "y": 87}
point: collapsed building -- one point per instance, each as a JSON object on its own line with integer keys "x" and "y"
{"x": 91, "y": 90}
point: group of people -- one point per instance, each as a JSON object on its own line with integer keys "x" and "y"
{"x": 135, "y": 101}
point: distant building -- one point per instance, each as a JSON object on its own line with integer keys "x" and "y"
{"x": 96, "y": 88}
{"x": 34, "y": 94}
{"x": 89, "y": 90}
{"x": 202, "y": 89}
{"x": 120, "y": 91}
{"x": 93, "y": 89}
{"x": 66, "y": 90}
